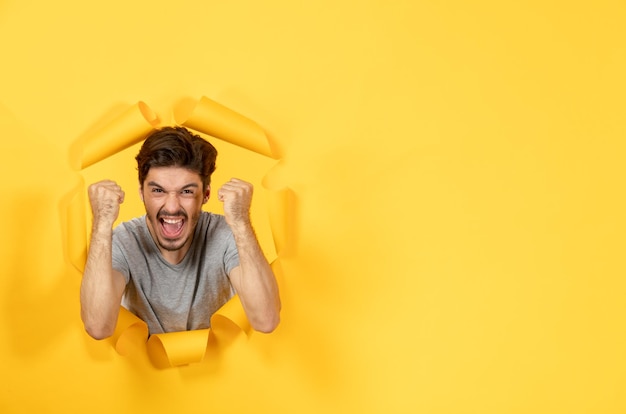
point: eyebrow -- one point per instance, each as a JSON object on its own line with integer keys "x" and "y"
{"x": 190, "y": 185}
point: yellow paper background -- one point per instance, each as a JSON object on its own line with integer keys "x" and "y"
{"x": 457, "y": 172}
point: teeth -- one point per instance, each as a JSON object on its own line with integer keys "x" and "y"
{"x": 172, "y": 221}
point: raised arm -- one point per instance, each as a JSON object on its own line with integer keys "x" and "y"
{"x": 102, "y": 287}
{"x": 253, "y": 279}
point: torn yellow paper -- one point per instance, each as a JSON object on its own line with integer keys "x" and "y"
{"x": 76, "y": 232}
{"x": 175, "y": 348}
{"x": 128, "y": 128}
{"x": 212, "y": 118}
{"x": 129, "y": 329}
{"x": 230, "y": 319}
{"x": 281, "y": 209}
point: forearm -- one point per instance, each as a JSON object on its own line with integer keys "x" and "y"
{"x": 257, "y": 287}
{"x": 100, "y": 292}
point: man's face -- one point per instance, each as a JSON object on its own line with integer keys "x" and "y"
{"x": 173, "y": 197}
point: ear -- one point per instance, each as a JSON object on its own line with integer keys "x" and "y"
{"x": 141, "y": 192}
{"x": 207, "y": 194}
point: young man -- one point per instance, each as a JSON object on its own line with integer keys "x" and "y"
{"x": 176, "y": 265}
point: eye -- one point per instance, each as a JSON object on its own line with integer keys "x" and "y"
{"x": 157, "y": 190}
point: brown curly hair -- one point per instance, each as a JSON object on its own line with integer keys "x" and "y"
{"x": 176, "y": 147}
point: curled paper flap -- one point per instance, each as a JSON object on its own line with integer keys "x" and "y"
{"x": 128, "y": 128}
{"x": 281, "y": 214}
{"x": 216, "y": 120}
{"x": 277, "y": 269}
{"x": 129, "y": 329}
{"x": 230, "y": 319}
{"x": 76, "y": 239}
{"x": 174, "y": 349}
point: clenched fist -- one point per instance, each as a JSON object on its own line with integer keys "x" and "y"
{"x": 105, "y": 198}
{"x": 236, "y": 195}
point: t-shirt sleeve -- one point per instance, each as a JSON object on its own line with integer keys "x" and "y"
{"x": 119, "y": 260}
{"x": 231, "y": 256}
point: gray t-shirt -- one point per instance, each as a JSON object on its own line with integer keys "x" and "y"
{"x": 181, "y": 297}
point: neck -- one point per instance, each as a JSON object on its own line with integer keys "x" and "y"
{"x": 174, "y": 256}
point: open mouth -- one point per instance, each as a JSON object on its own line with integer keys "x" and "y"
{"x": 172, "y": 227}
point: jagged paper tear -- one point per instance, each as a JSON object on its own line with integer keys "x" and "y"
{"x": 128, "y": 128}
{"x": 216, "y": 120}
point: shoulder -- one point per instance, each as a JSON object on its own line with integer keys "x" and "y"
{"x": 213, "y": 227}
{"x": 133, "y": 229}
{"x": 212, "y": 221}
{"x": 131, "y": 226}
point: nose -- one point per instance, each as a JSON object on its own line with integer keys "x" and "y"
{"x": 172, "y": 203}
